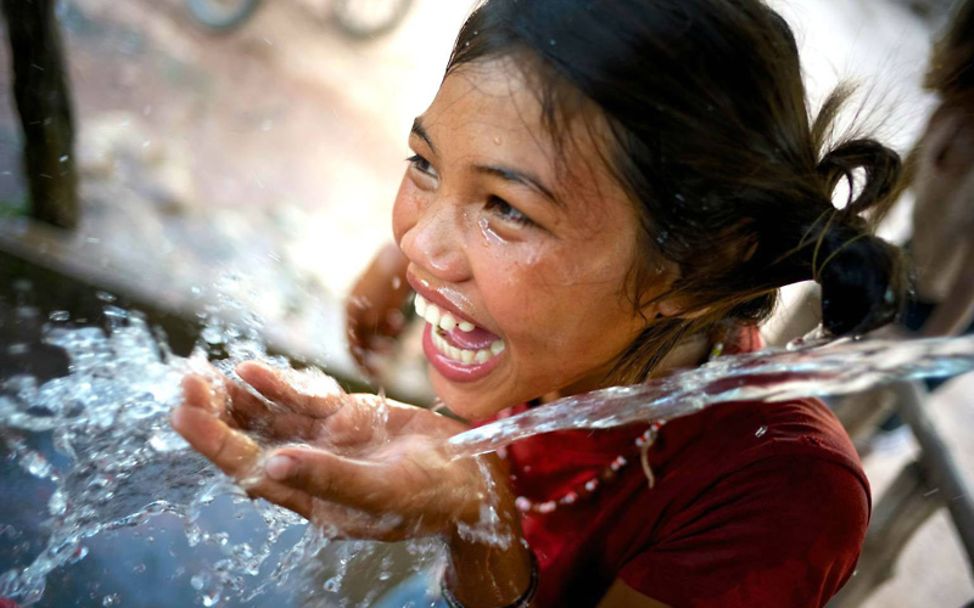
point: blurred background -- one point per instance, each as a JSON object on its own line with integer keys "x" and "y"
{"x": 247, "y": 165}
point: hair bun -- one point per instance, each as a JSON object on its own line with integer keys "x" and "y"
{"x": 881, "y": 165}
{"x": 862, "y": 279}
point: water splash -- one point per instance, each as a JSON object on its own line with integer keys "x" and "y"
{"x": 117, "y": 464}
{"x": 803, "y": 369}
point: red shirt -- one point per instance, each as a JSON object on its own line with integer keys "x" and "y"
{"x": 754, "y": 504}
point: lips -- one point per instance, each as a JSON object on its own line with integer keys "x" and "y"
{"x": 456, "y": 370}
{"x": 455, "y": 345}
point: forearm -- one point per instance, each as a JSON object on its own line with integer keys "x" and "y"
{"x": 382, "y": 286}
{"x": 482, "y": 575}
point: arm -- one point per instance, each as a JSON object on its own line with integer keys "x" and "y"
{"x": 373, "y": 308}
{"x": 347, "y": 462}
{"x": 482, "y": 576}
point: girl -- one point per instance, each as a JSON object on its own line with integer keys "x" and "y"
{"x": 601, "y": 191}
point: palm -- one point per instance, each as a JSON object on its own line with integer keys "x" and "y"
{"x": 361, "y": 457}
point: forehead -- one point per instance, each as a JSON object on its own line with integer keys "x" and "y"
{"x": 493, "y": 110}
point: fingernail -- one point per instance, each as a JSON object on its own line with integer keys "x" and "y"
{"x": 279, "y": 467}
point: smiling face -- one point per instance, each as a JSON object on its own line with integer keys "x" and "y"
{"x": 519, "y": 251}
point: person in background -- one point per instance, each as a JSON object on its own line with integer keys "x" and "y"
{"x": 940, "y": 173}
{"x": 942, "y": 167}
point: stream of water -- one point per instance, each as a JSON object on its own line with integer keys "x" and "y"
{"x": 114, "y": 462}
{"x": 803, "y": 369}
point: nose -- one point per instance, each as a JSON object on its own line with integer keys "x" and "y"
{"x": 434, "y": 241}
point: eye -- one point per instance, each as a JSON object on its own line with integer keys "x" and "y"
{"x": 505, "y": 211}
{"x": 421, "y": 164}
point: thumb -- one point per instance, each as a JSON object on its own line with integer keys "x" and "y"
{"x": 328, "y": 476}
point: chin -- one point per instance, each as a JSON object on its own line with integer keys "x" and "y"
{"x": 471, "y": 405}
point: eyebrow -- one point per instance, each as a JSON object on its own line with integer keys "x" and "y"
{"x": 505, "y": 173}
{"x": 420, "y": 131}
{"x": 520, "y": 177}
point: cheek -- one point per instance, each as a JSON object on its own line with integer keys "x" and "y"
{"x": 563, "y": 297}
{"x": 404, "y": 209}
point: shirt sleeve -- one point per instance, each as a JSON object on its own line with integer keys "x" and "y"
{"x": 784, "y": 531}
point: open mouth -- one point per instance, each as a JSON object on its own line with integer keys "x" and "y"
{"x": 460, "y": 341}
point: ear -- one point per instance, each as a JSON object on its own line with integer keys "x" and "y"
{"x": 678, "y": 306}
{"x": 661, "y": 301}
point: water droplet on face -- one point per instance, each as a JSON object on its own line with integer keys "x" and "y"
{"x": 488, "y": 233}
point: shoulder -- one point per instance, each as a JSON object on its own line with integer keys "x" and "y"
{"x": 773, "y": 513}
{"x": 728, "y": 438}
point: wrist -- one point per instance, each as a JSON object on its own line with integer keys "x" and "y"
{"x": 481, "y": 575}
{"x": 490, "y": 564}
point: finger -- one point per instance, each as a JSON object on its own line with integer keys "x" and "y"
{"x": 364, "y": 358}
{"x": 197, "y": 392}
{"x": 208, "y": 393}
{"x": 255, "y": 411}
{"x": 343, "y": 522}
{"x": 236, "y": 455}
{"x": 309, "y": 392}
{"x": 331, "y": 477}
{"x": 232, "y": 451}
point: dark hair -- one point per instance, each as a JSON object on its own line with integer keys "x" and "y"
{"x": 952, "y": 62}
{"x": 711, "y": 135}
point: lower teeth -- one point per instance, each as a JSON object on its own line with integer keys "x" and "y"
{"x": 459, "y": 355}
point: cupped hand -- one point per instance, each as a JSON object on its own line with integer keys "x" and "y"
{"x": 373, "y": 311}
{"x": 358, "y": 465}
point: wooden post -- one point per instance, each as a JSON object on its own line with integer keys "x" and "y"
{"x": 905, "y": 506}
{"x": 939, "y": 465}
{"x": 41, "y": 92}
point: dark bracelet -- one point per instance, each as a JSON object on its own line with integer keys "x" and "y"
{"x": 522, "y": 602}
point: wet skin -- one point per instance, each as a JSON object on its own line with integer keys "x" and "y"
{"x": 529, "y": 242}
{"x": 534, "y": 247}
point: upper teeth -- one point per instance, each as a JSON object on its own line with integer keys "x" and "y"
{"x": 439, "y": 318}
{"x": 447, "y": 322}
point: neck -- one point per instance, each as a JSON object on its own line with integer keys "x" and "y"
{"x": 690, "y": 352}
